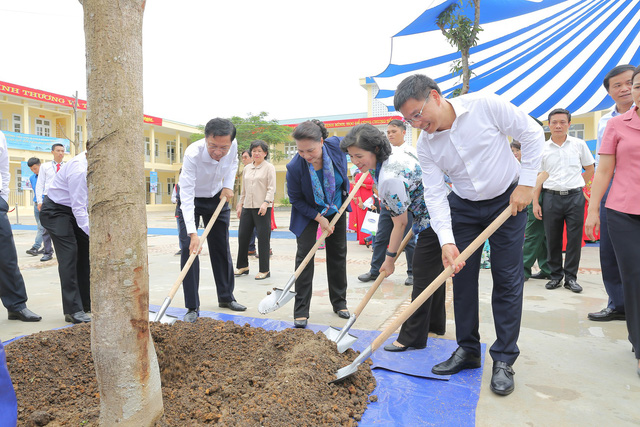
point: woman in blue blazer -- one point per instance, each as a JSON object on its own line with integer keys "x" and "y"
{"x": 317, "y": 184}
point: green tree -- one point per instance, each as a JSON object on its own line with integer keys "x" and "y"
{"x": 255, "y": 127}
{"x": 461, "y": 33}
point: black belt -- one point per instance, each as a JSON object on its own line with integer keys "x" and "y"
{"x": 563, "y": 192}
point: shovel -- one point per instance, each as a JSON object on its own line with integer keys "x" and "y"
{"x": 351, "y": 369}
{"x": 279, "y": 297}
{"x": 160, "y": 316}
{"x": 342, "y": 338}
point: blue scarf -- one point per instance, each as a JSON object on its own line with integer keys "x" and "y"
{"x": 328, "y": 187}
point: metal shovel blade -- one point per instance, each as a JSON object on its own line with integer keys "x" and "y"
{"x": 169, "y": 320}
{"x": 347, "y": 371}
{"x": 343, "y": 343}
{"x": 276, "y": 299}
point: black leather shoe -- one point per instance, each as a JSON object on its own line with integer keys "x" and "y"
{"x": 343, "y": 314}
{"x": 300, "y": 323}
{"x": 396, "y": 348}
{"x": 367, "y": 277}
{"x": 79, "y": 317}
{"x": 502, "y": 378}
{"x": 25, "y": 315}
{"x": 232, "y": 306}
{"x": 573, "y": 286}
{"x": 409, "y": 281}
{"x": 540, "y": 276}
{"x": 32, "y": 251}
{"x": 606, "y": 314}
{"x": 46, "y": 257}
{"x": 191, "y": 316}
{"x": 553, "y": 284}
{"x": 459, "y": 360}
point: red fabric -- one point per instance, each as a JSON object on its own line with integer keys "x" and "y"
{"x": 273, "y": 218}
{"x": 57, "y": 167}
{"x": 357, "y": 217}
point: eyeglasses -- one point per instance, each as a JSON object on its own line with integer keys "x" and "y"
{"x": 418, "y": 115}
{"x": 222, "y": 149}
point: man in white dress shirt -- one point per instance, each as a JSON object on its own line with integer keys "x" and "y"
{"x": 64, "y": 215}
{"x": 12, "y": 290}
{"x": 46, "y": 174}
{"x": 208, "y": 173}
{"x": 563, "y": 200}
{"x": 466, "y": 138}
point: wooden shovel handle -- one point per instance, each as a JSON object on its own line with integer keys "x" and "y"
{"x": 367, "y": 297}
{"x": 335, "y": 219}
{"x": 192, "y": 257}
{"x": 424, "y": 295}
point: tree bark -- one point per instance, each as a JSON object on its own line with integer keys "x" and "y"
{"x": 123, "y": 352}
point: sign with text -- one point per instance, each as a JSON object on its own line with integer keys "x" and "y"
{"x": 153, "y": 182}
{"x": 25, "y": 141}
{"x": 347, "y": 123}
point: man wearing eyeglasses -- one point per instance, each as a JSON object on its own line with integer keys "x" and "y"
{"x": 208, "y": 173}
{"x": 466, "y": 138}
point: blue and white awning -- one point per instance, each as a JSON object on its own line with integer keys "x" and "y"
{"x": 539, "y": 54}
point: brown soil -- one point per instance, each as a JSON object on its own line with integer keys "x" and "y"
{"x": 212, "y": 372}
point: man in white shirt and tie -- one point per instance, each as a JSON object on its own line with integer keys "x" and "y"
{"x": 467, "y": 139}
{"x": 208, "y": 173}
{"x": 65, "y": 216}
{"x": 46, "y": 174}
{"x": 12, "y": 290}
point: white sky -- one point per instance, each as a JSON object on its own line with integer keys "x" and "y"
{"x": 209, "y": 58}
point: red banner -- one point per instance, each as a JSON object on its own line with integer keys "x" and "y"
{"x": 347, "y": 123}
{"x": 67, "y": 101}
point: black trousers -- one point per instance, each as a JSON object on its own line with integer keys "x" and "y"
{"x": 556, "y": 211}
{"x": 336, "y": 247}
{"x": 469, "y": 219}
{"x": 432, "y": 315}
{"x": 624, "y": 230}
{"x": 12, "y": 289}
{"x": 72, "y": 251}
{"x": 249, "y": 219}
{"x": 219, "y": 252}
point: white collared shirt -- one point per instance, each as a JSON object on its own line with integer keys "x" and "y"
{"x": 564, "y": 163}
{"x": 475, "y": 154}
{"x": 5, "y": 175}
{"x": 203, "y": 176}
{"x": 47, "y": 172}
{"x": 602, "y": 124}
{"x": 69, "y": 188}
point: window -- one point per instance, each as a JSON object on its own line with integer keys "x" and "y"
{"x": 147, "y": 149}
{"x": 19, "y": 180}
{"x": 43, "y": 127}
{"x": 577, "y": 130}
{"x": 171, "y": 151}
{"x": 171, "y": 182}
{"x": 156, "y": 146}
{"x": 17, "y": 123}
{"x": 290, "y": 149}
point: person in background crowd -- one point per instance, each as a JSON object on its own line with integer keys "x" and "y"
{"x": 617, "y": 82}
{"x": 620, "y": 153}
{"x": 318, "y": 184}
{"x": 254, "y": 209}
{"x": 563, "y": 201}
{"x": 65, "y": 216}
{"x": 396, "y": 131}
{"x": 46, "y": 174}
{"x": 175, "y": 199}
{"x": 358, "y": 212}
{"x": 398, "y": 178}
{"x": 246, "y": 160}
{"x": 13, "y": 292}
{"x": 456, "y": 133}
{"x": 208, "y": 173}
{"x": 34, "y": 165}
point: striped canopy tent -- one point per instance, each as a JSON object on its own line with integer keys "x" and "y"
{"x": 539, "y": 54}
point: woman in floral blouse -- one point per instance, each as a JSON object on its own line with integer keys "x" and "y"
{"x": 398, "y": 177}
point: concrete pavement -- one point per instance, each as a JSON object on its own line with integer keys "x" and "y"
{"x": 571, "y": 371}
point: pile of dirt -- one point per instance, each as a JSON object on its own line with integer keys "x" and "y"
{"x": 212, "y": 372}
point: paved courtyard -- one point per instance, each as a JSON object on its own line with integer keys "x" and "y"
{"x": 571, "y": 371}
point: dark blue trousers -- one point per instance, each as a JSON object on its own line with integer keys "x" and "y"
{"x": 609, "y": 262}
{"x": 469, "y": 219}
{"x": 219, "y": 252}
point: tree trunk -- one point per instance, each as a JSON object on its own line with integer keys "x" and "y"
{"x": 466, "y": 72}
{"x": 123, "y": 352}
